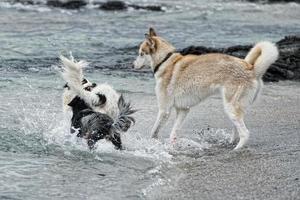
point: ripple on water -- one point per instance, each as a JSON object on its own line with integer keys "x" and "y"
{"x": 37, "y": 131}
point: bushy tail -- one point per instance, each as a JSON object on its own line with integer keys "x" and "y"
{"x": 73, "y": 75}
{"x": 72, "y": 71}
{"x": 261, "y": 56}
{"x": 124, "y": 121}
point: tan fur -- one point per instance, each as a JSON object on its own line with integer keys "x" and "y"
{"x": 168, "y": 72}
{"x": 145, "y": 48}
{"x": 254, "y": 57}
{"x": 214, "y": 69}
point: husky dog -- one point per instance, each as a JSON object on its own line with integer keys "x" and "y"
{"x": 101, "y": 98}
{"x": 184, "y": 81}
{"x": 95, "y": 114}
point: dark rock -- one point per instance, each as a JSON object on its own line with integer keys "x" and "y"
{"x": 287, "y": 67}
{"x": 113, "y": 5}
{"x": 198, "y": 50}
{"x": 120, "y": 5}
{"x": 151, "y": 8}
{"x": 70, "y": 4}
{"x": 109, "y": 5}
{"x": 274, "y": 1}
{"x": 101, "y": 174}
{"x": 25, "y": 2}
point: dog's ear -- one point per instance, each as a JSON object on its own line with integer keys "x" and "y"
{"x": 152, "y": 32}
{"x": 150, "y": 41}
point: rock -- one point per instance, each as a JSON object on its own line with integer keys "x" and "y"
{"x": 287, "y": 67}
{"x": 151, "y": 8}
{"x": 113, "y": 5}
{"x": 108, "y": 6}
{"x": 275, "y": 1}
{"x": 70, "y": 4}
{"x": 120, "y": 5}
{"x": 25, "y": 2}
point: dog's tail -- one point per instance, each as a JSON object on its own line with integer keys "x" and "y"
{"x": 122, "y": 123}
{"x": 72, "y": 71}
{"x": 261, "y": 56}
{"x": 73, "y": 75}
{"x": 124, "y": 120}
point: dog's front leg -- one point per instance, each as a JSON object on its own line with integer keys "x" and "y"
{"x": 164, "y": 105}
{"x": 161, "y": 119}
{"x": 180, "y": 116}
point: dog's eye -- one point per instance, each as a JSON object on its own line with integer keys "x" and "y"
{"x": 142, "y": 54}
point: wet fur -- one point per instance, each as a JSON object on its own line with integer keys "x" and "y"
{"x": 98, "y": 111}
{"x": 73, "y": 75}
{"x": 94, "y": 126}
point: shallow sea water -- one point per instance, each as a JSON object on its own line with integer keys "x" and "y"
{"x": 39, "y": 159}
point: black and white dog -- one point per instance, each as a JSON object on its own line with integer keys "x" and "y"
{"x": 94, "y": 126}
{"x": 99, "y": 112}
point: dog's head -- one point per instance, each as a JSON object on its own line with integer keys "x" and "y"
{"x": 152, "y": 50}
{"x": 92, "y": 87}
{"x": 87, "y": 85}
{"x": 97, "y": 100}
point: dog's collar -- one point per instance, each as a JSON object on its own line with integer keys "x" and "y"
{"x": 156, "y": 68}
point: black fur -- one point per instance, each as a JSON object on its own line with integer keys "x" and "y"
{"x": 94, "y": 126}
{"x": 124, "y": 120}
{"x": 102, "y": 99}
{"x": 66, "y": 86}
{"x": 84, "y": 81}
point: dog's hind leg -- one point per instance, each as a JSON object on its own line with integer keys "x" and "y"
{"x": 243, "y": 133}
{"x": 180, "y": 116}
{"x": 116, "y": 140}
{"x": 234, "y": 136}
{"x": 235, "y": 111}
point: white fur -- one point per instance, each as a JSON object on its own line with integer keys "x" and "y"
{"x": 68, "y": 95}
{"x": 262, "y": 55}
{"x": 142, "y": 61}
{"x": 73, "y": 75}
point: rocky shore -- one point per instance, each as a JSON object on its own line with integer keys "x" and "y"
{"x": 117, "y": 5}
{"x": 107, "y": 6}
{"x": 287, "y": 67}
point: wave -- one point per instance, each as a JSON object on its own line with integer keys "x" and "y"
{"x": 41, "y": 127}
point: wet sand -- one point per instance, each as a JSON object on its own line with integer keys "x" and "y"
{"x": 267, "y": 168}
